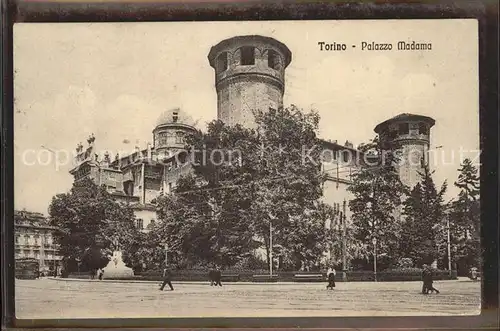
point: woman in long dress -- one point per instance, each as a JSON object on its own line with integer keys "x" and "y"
{"x": 330, "y": 274}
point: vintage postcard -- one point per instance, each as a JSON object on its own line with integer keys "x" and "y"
{"x": 247, "y": 169}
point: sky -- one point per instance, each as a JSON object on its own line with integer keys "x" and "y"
{"x": 116, "y": 79}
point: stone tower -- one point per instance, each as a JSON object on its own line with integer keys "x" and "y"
{"x": 409, "y": 135}
{"x": 249, "y": 75}
{"x": 171, "y": 128}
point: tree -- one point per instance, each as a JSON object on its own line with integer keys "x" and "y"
{"x": 245, "y": 182}
{"x": 289, "y": 180}
{"x": 465, "y": 217}
{"x": 306, "y": 239}
{"x": 424, "y": 212}
{"x": 377, "y": 192}
{"x": 202, "y": 226}
{"x": 90, "y": 224}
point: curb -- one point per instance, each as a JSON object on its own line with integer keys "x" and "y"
{"x": 124, "y": 281}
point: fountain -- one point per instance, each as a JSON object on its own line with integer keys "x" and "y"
{"x": 116, "y": 268}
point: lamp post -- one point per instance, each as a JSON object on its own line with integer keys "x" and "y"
{"x": 344, "y": 239}
{"x": 374, "y": 240}
{"x": 448, "y": 243}
{"x": 270, "y": 248}
{"x": 166, "y": 254}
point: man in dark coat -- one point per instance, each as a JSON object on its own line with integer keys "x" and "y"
{"x": 211, "y": 276}
{"x": 427, "y": 280}
{"x": 167, "y": 279}
{"x": 217, "y": 276}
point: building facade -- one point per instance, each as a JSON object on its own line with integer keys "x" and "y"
{"x": 137, "y": 179}
{"x": 34, "y": 240}
{"x": 249, "y": 75}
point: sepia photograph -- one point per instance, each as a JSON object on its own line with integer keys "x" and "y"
{"x": 322, "y": 168}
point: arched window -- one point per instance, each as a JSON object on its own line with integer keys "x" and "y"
{"x": 404, "y": 128}
{"x": 273, "y": 59}
{"x": 179, "y": 137}
{"x": 221, "y": 64}
{"x": 247, "y": 55}
{"x": 345, "y": 156}
{"x": 422, "y": 128}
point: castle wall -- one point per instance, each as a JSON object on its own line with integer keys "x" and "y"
{"x": 153, "y": 187}
{"x": 334, "y": 194}
{"x": 410, "y": 163}
{"x": 112, "y": 179}
{"x": 240, "y": 98}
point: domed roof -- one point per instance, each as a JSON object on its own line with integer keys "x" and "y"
{"x": 175, "y": 116}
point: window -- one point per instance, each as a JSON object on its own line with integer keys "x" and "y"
{"x": 273, "y": 59}
{"x": 422, "y": 128}
{"x": 404, "y": 128}
{"x": 221, "y": 62}
{"x": 128, "y": 187}
{"x": 392, "y": 134}
{"x": 179, "y": 138}
{"x": 345, "y": 156}
{"x": 247, "y": 55}
{"x": 139, "y": 223}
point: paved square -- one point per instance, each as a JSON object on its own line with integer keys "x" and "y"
{"x": 49, "y": 298}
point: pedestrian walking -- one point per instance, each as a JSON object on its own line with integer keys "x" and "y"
{"x": 427, "y": 285}
{"x": 330, "y": 274}
{"x": 217, "y": 276}
{"x": 211, "y": 276}
{"x": 167, "y": 279}
{"x": 100, "y": 273}
{"x": 473, "y": 273}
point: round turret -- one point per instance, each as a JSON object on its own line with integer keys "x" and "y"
{"x": 172, "y": 126}
{"x": 249, "y": 75}
{"x": 408, "y": 134}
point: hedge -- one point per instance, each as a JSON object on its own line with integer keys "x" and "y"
{"x": 410, "y": 274}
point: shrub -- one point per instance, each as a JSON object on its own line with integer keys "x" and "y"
{"x": 405, "y": 262}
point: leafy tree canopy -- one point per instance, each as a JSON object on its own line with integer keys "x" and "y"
{"x": 90, "y": 221}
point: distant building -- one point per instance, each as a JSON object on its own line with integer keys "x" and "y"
{"x": 34, "y": 239}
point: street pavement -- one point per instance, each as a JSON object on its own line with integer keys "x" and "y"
{"x": 60, "y": 299}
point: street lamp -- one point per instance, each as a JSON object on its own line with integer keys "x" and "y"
{"x": 166, "y": 253}
{"x": 270, "y": 248}
{"x": 374, "y": 240}
{"x": 449, "y": 243}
